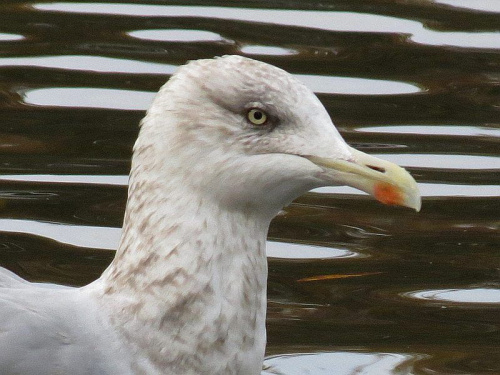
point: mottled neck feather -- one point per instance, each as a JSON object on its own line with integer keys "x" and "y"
{"x": 167, "y": 236}
{"x": 194, "y": 273}
{"x": 173, "y": 227}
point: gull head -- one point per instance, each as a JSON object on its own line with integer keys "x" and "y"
{"x": 250, "y": 136}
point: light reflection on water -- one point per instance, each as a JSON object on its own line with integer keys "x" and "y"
{"x": 97, "y": 237}
{"x": 10, "y": 37}
{"x": 285, "y": 250}
{"x": 89, "y": 98}
{"x": 469, "y": 295}
{"x": 267, "y": 50}
{"x": 69, "y": 179}
{"x": 341, "y": 363}
{"x": 450, "y": 130}
{"x": 176, "y": 35}
{"x": 335, "y": 21}
{"x": 355, "y": 86}
{"x": 484, "y": 5}
{"x": 91, "y": 64}
{"x": 446, "y": 161}
{"x": 326, "y": 20}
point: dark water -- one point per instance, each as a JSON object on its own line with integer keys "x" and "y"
{"x": 356, "y": 287}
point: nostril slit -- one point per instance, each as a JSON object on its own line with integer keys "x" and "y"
{"x": 378, "y": 169}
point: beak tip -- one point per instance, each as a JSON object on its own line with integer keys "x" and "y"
{"x": 416, "y": 204}
{"x": 414, "y": 198}
{"x": 388, "y": 193}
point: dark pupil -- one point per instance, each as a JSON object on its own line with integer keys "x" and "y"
{"x": 257, "y": 115}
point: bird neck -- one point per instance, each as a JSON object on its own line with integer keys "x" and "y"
{"x": 170, "y": 233}
{"x": 168, "y": 237}
{"x": 192, "y": 272}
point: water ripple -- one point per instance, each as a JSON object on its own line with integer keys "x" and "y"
{"x": 444, "y": 161}
{"x": 356, "y": 86}
{"x": 466, "y": 295}
{"x": 447, "y": 130}
{"x": 325, "y": 20}
{"x": 303, "y": 251}
{"x": 484, "y": 5}
{"x": 6, "y": 37}
{"x": 341, "y": 363}
{"x": 90, "y": 63}
{"x": 89, "y": 98}
{"x": 105, "y": 238}
{"x": 267, "y": 51}
{"x": 177, "y": 35}
{"x": 354, "y": 287}
{"x": 121, "y": 180}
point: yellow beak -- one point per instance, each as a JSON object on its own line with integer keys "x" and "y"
{"x": 386, "y": 181}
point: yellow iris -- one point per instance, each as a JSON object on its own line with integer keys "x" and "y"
{"x": 257, "y": 116}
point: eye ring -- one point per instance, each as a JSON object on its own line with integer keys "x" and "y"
{"x": 257, "y": 116}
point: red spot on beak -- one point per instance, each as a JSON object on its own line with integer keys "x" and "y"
{"x": 388, "y": 194}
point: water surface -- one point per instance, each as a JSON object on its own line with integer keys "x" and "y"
{"x": 354, "y": 287}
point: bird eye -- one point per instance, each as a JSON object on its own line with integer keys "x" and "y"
{"x": 257, "y": 116}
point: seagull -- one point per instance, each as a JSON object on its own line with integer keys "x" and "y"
{"x": 225, "y": 145}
